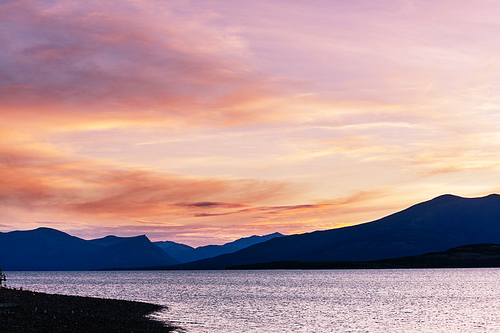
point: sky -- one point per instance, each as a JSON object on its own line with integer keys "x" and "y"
{"x": 202, "y": 122}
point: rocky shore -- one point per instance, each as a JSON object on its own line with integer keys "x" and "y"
{"x": 27, "y": 311}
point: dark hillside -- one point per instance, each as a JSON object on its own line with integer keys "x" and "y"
{"x": 467, "y": 256}
{"x": 436, "y": 225}
{"x": 50, "y": 249}
{"x": 184, "y": 253}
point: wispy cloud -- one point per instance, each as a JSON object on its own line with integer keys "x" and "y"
{"x": 133, "y": 58}
{"x": 278, "y": 210}
{"x": 93, "y": 188}
{"x": 208, "y": 205}
{"x": 210, "y": 120}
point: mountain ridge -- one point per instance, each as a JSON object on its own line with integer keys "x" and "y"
{"x": 441, "y": 223}
{"x": 185, "y": 253}
{"x": 435, "y": 225}
{"x": 51, "y": 249}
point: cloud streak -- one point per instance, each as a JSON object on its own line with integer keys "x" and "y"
{"x": 267, "y": 211}
{"x": 206, "y": 121}
{"x": 136, "y": 58}
{"x": 95, "y": 189}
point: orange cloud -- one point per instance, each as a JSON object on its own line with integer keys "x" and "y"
{"x": 38, "y": 182}
{"x": 107, "y": 108}
{"x": 268, "y": 211}
{"x": 208, "y": 205}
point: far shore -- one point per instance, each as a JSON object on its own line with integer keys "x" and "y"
{"x": 28, "y": 311}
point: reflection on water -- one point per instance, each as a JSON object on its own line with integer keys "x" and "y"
{"x": 417, "y": 300}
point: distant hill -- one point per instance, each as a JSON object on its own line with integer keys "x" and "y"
{"x": 439, "y": 224}
{"x": 179, "y": 252}
{"x": 50, "y": 249}
{"x": 466, "y": 256}
{"x": 184, "y": 253}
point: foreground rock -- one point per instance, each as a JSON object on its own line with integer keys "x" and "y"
{"x": 27, "y": 311}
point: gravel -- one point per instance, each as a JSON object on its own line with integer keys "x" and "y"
{"x": 28, "y": 311}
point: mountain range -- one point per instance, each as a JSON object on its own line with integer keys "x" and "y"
{"x": 184, "y": 253}
{"x": 436, "y": 225}
{"x": 48, "y": 249}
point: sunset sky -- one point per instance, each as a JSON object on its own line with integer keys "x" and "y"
{"x": 205, "y": 121}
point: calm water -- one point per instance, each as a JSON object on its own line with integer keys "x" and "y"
{"x": 440, "y": 300}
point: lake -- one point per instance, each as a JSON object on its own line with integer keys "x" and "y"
{"x": 413, "y": 300}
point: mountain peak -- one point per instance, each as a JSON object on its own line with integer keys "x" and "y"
{"x": 184, "y": 253}
{"x": 51, "y": 249}
{"x": 447, "y": 196}
{"x": 455, "y": 197}
{"x": 436, "y": 225}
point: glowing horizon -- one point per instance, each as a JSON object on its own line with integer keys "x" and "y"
{"x": 203, "y": 122}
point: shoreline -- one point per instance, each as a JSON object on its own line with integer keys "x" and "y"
{"x": 28, "y": 311}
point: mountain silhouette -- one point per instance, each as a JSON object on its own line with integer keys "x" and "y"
{"x": 466, "y": 256}
{"x": 437, "y": 225}
{"x": 50, "y": 249}
{"x": 184, "y": 253}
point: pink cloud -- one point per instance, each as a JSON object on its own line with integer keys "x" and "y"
{"x": 278, "y": 110}
{"x": 91, "y": 57}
